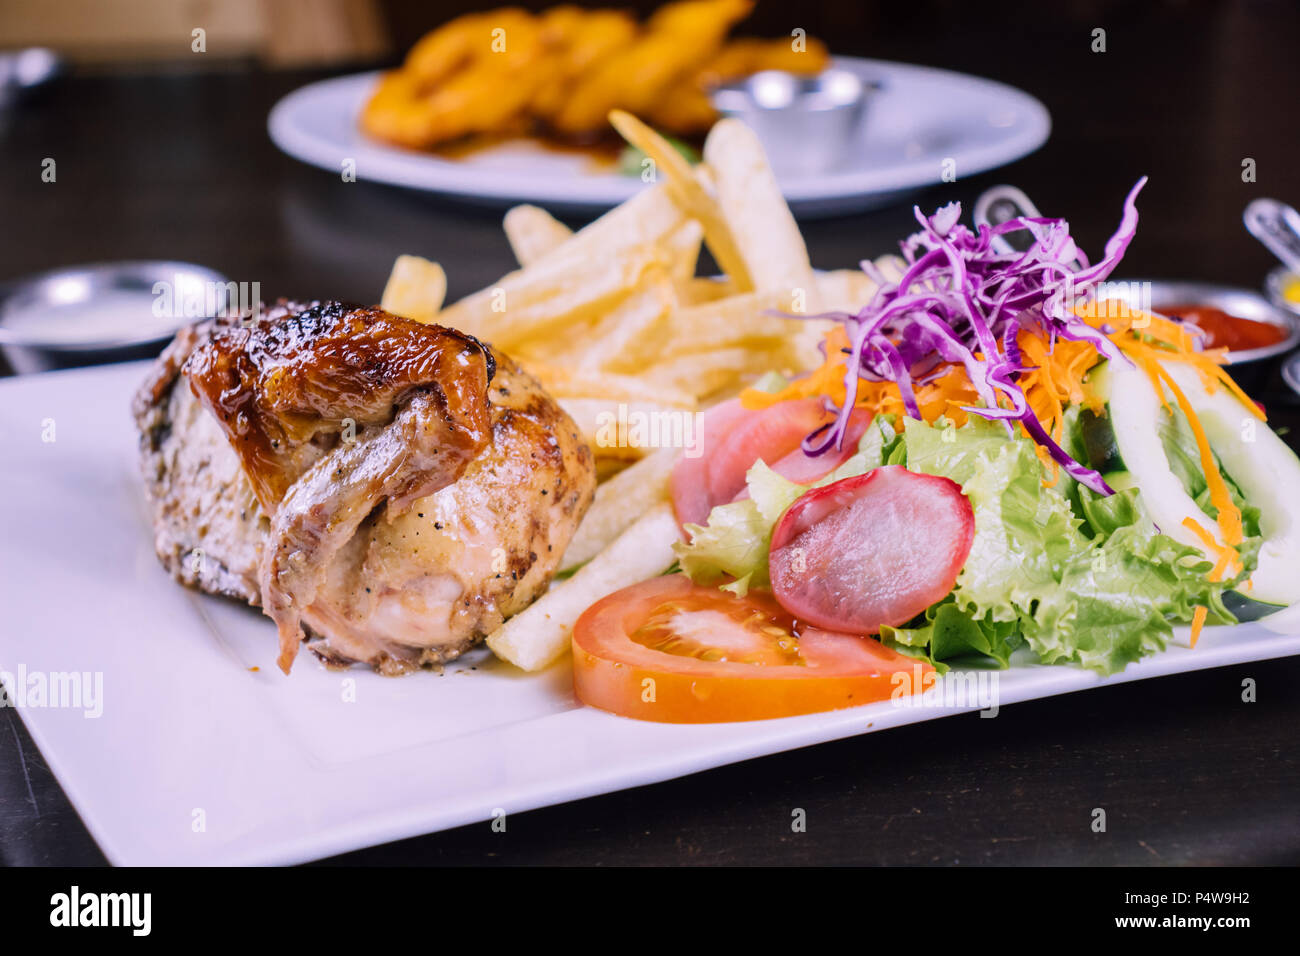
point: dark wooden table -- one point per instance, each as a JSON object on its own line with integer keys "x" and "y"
{"x": 178, "y": 165}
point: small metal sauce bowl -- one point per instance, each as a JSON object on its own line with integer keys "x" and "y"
{"x": 807, "y": 124}
{"x": 1243, "y": 303}
{"x": 1251, "y": 367}
{"x": 25, "y": 303}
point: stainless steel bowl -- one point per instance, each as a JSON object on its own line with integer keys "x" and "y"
{"x": 110, "y": 312}
{"x": 1245, "y": 303}
{"x": 807, "y": 124}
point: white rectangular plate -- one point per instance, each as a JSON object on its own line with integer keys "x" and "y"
{"x": 205, "y": 754}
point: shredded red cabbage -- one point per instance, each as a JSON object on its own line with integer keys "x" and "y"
{"x": 960, "y": 296}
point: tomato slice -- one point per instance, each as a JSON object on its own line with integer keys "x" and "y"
{"x": 871, "y": 550}
{"x": 732, "y": 438}
{"x": 672, "y": 651}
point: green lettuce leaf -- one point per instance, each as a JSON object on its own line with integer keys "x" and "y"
{"x": 946, "y": 635}
{"x": 1101, "y": 601}
{"x": 1116, "y": 601}
{"x": 734, "y": 543}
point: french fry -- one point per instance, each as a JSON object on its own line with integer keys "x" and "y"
{"x": 686, "y": 189}
{"x": 727, "y": 322}
{"x": 533, "y": 232}
{"x": 683, "y": 245}
{"x": 415, "y": 289}
{"x": 700, "y": 289}
{"x": 627, "y": 338}
{"x": 721, "y": 371}
{"x": 551, "y": 294}
{"x": 646, "y": 218}
{"x": 617, "y": 429}
{"x": 844, "y": 290}
{"x": 574, "y": 282}
{"x": 630, "y": 336}
{"x": 619, "y": 502}
{"x": 747, "y": 321}
{"x": 767, "y": 239}
{"x": 607, "y": 468}
{"x": 539, "y": 635}
{"x": 573, "y": 382}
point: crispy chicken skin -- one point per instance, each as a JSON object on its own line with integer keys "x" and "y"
{"x": 395, "y": 489}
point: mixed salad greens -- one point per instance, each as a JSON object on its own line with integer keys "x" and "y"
{"x": 999, "y": 371}
{"x": 1078, "y": 577}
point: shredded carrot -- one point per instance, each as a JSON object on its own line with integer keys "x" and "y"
{"x": 1229, "y": 517}
{"x": 1058, "y": 380}
{"x": 1153, "y": 335}
{"x": 1227, "y": 558}
{"x": 825, "y": 380}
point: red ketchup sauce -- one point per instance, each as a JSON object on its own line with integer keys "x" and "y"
{"x": 1223, "y": 330}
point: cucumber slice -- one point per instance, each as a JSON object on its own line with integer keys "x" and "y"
{"x": 1260, "y": 463}
{"x": 1267, "y": 472}
{"x": 1120, "y": 480}
{"x": 1136, "y": 414}
{"x": 1099, "y": 443}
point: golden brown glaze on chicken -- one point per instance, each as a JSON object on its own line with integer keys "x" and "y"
{"x": 396, "y": 488}
{"x": 276, "y": 383}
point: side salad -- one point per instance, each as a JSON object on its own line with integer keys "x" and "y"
{"x": 991, "y": 460}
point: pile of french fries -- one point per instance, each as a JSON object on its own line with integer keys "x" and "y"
{"x": 613, "y": 319}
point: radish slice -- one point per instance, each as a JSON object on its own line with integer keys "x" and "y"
{"x": 689, "y": 482}
{"x": 733, "y": 438}
{"x": 871, "y": 550}
{"x": 804, "y": 469}
{"x": 771, "y": 434}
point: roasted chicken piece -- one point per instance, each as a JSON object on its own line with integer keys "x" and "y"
{"x": 394, "y": 489}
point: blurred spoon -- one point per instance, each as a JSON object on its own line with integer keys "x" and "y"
{"x": 1277, "y": 226}
{"x": 999, "y": 204}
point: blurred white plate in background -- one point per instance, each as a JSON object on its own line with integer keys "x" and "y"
{"x": 920, "y": 118}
